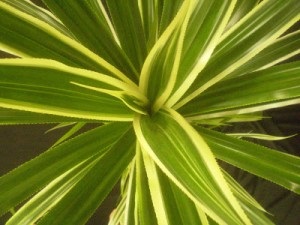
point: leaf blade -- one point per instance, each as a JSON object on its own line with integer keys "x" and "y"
{"x": 245, "y": 154}
{"x": 257, "y": 30}
{"x": 52, "y": 163}
{"x": 88, "y": 193}
{"x": 46, "y": 86}
{"x": 181, "y": 166}
{"x": 282, "y": 84}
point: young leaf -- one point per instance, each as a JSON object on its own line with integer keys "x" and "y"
{"x": 187, "y": 160}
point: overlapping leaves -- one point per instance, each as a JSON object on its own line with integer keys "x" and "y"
{"x": 98, "y": 61}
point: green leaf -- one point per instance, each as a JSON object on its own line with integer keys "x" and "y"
{"x": 260, "y": 88}
{"x": 69, "y": 133}
{"x": 145, "y": 213}
{"x": 40, "y": 13}
{"x": 27, "y": 36}
{"x": 205, "y": 26}
{"x": 166, "y": 12}
{"x": 260, "y": 28}
{"x": 91, "y": 25}
{"x": 255, "y": 159}
{"x": 241, "y": 9}
{"x": 171, "y": 205}
{"x": 254, "y": 211}
{"x": 129, "y": 30}
{"x": 54, "y": 162}
{"x": 46, "y": 86}
{"x": 280, "y": 50}
{"x": 88, "y": 193}
{"x": 258, "y": 136}
{"x": 160, "y": 68}
{"x": 10, "y": 117}
{"x": 129, "y": 196}
{"x": 187, "y": 160}
{"x": 49, "y": 196}
{"x": 185, "y": 46}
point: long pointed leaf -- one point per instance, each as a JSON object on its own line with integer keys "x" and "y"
{"x": 88, "y": 193}
{"x": 46, "y": 167}
{"x": 40, "y": 13}
{"x": 282, "y": 49}
{"x": 42, "y": 202}
{"x": 259, "y": 88}
{"x": 145, "y": 213}
{"x": 46, "y": 86}
{"x": 25, "y": 35}
{"x": 130, "y": 31}
{"x": 186, "y": 159}
{"x": 256, "y": 159}
{"x": 10, "y": 116}
{"x": 171, "y": 204}
{"x": 90, "y": 23}
{"x": 241, "y": 9}
{"x": 257, "y": 30}
{"x": 206, "y": 24}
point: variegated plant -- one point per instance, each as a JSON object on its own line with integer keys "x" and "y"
{"x": 156, "y": 76}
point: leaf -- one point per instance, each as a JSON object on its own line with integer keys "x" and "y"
{"x": 258, "y": 136}
{"x": 280, "y": 50}
{"x": 254, "y": 211}
{"x": 145, "y": 213}
{"x": 282, "y": 84}
{"x": 91, "y": 25}
{"x": 171, "y": 205}
{"x": 205, "y": 26}
{"x": 88, "y": 193}
{"x": 183, "y": 155}
{"x": 24, "y": 35}
{"x": 69, "y": 133}
{"x": 241, "y": 9}
{"x": 40, "y": 13}
{"x": 255, "y": 159}
{"x": 10, "y": 117}
{"x": 49, "y": 196}
{"x": 129, "y": 30}
{"x": 260, "y": 28}
{"x": 157, "y": 75}
{"x": 54, "y": 162}
{"x": 185, "y": 46}
{"x": 46, "y": 86}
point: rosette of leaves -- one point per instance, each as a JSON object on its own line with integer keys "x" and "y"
{"x": 156, "y": 76}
